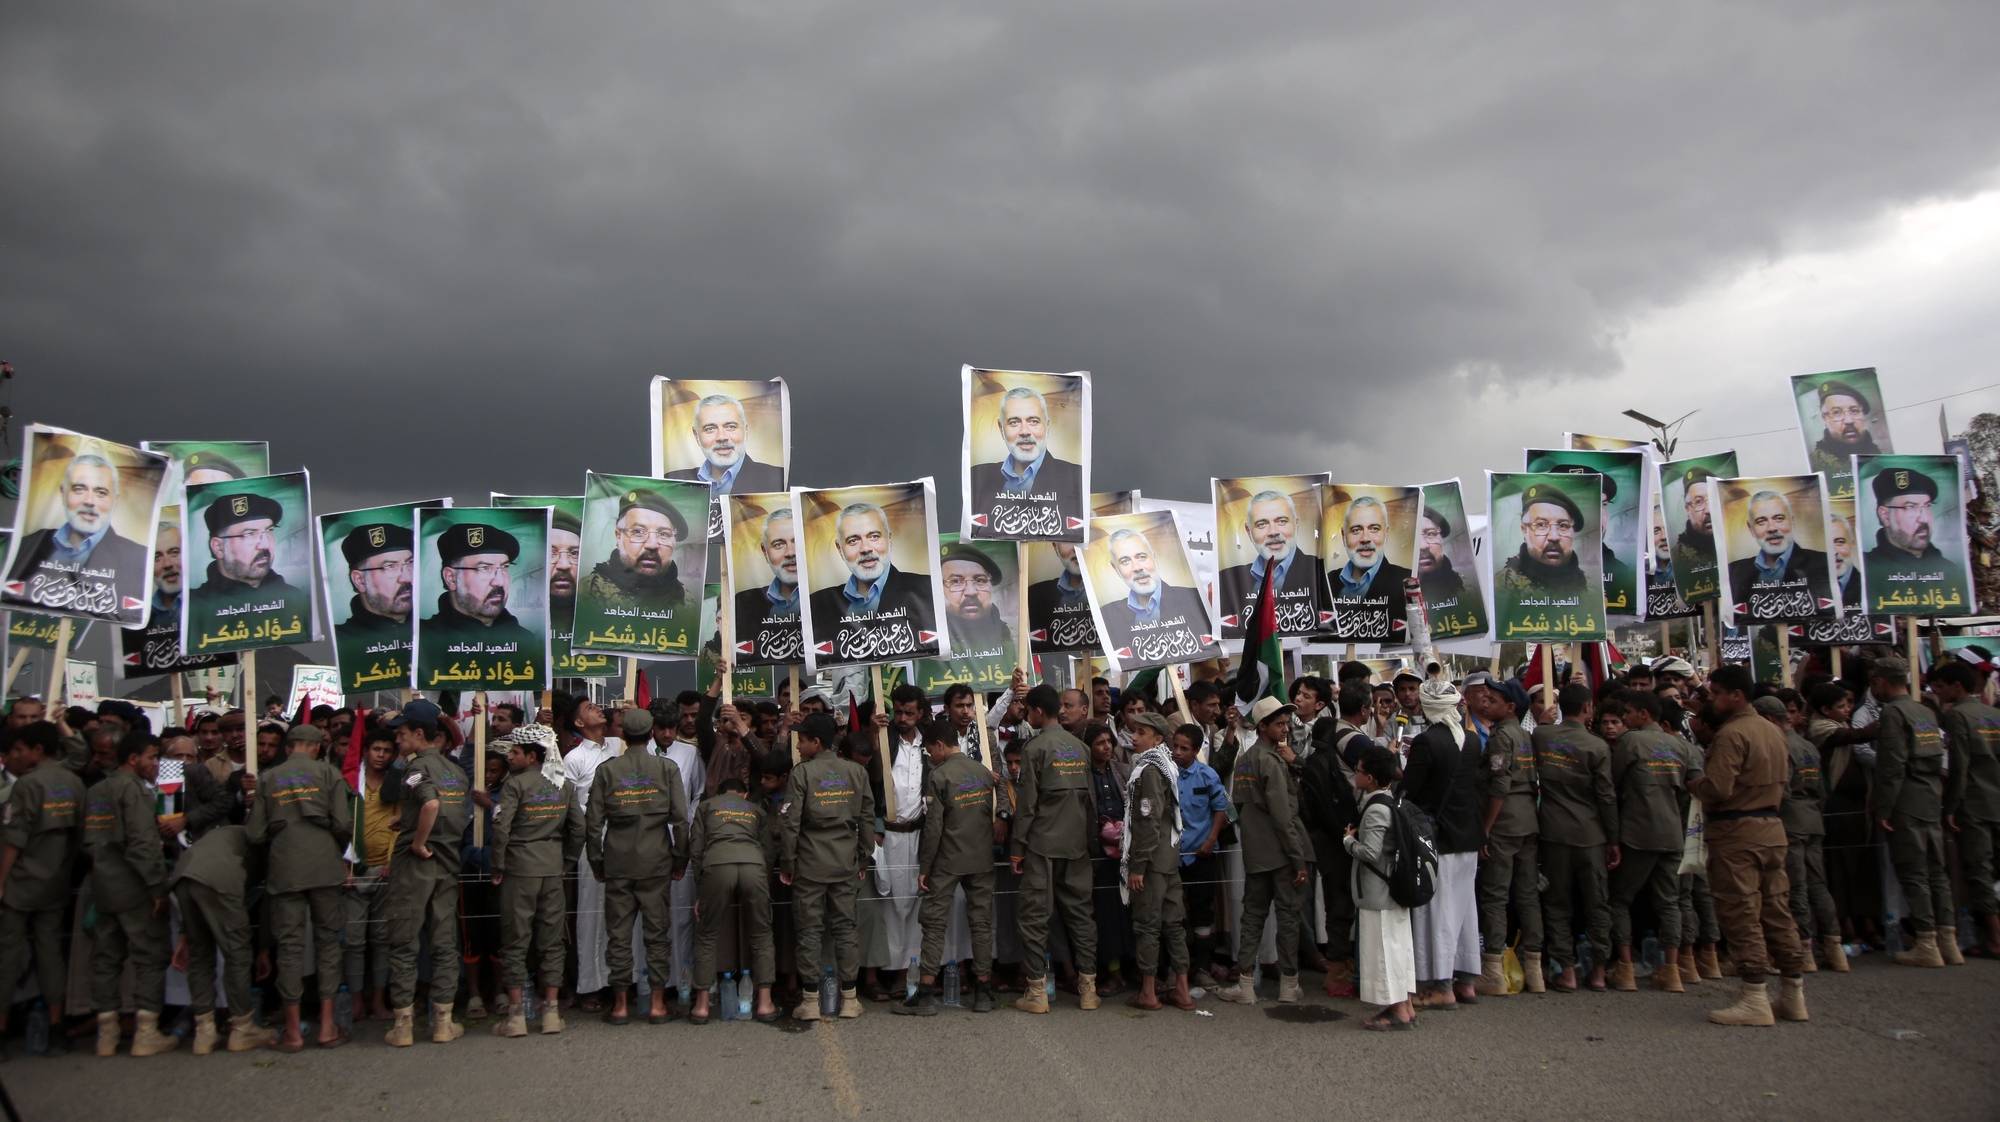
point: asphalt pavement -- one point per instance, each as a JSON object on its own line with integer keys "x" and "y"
{"x": 1884, "y": 1042}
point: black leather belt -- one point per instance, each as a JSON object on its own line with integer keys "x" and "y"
{"x": 1732, "y": 815}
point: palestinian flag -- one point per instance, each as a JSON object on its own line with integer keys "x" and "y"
{"x": 1261, "y": 671}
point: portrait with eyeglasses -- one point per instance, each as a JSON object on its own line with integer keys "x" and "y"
{"x": 481, "y": 598}
{"x": 1913, "y": 523}
{"x": 1548, "y": 549}
{"x": 1841, "y": 416}
{"x": 254, "y": 588}
{"x": 644, "y": 558}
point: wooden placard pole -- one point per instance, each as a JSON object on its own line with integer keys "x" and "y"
{"x": 1666, "y": 638}
{"x": 180, "y": 702}
{"x": 1714, "y": 629}
{"x": 1834, "y": 659}
{"x": 57, "y": 666}
{"x": 792, "y": 679}
{"x": 1023, "y": 650}
{"x": 1548, "y": 655}
{"x": 1916, "y": 674}
{"x": 882, "y": 747}
{"x": 1784, "y": 655}
{"x": 476, "y": 766}
{"x": 631, "y": 681}
{"x": 246, "y": 686}
{"x": 726, "y": 621}
{"x": 14, "y": 665}
{"x": 1180, "y": 699}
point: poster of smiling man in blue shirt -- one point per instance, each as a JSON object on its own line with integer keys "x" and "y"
{"x": 764, "y": 579}
{"x": 1026, "y": 455}
{"x": 733, "y": 436}
{"x": 1779, "y": 568}
{"x": 1269, "y": 520}
{"x": 1142, "y": 592}
{"x": 68, "y": 557}
{"x": 1371, "y": 541}
{"x": 870, "y": 562}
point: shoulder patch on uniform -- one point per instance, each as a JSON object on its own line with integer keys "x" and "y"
{"x": 412, "y": 779}
{"x": 1145, "y": 808}
{"x": 1497, "y": 763}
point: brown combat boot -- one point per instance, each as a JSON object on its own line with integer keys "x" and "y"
{"x": 149, "y": 1040}
{"x": 246, "y": 1035}
{"x": 1806, "y": 948}
{"x": 1622, "y": 978}
{"x": 808, "y": 1007}
{"x": 205, "y": 1036}
{"x": 1086, "y": 992}
{"x": 1791, "y": 1003}
{"x": 1947, "y": 941}
{"x": 1667, "y": 978}
{"x": 1709, "y": 966}
{"x": 1924, "y": 952}
{"x": 107, "y": 1034}
{"x": 1836, "y": 955}
{"x": 401, "y": 1034}
{"x": 1690, "y": 971}
{"x": 1531, "y": 973}
{"x": 1752, "y": 1008}
{"x": 1491, "y": 983}
{"x": 444, "y": 1029}
{"x": 1034, "y": 996}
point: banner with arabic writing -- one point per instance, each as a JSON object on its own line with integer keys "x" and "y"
{"x": 565, "y": 574}
{"x": 1915, "y": 560}
{"x": 1547, "y": 562}
{"x": 368, "y": 568}
{"x": 256, "y": 590}
{"x": 645, "y": 559}
{"x": 481, "y": 595}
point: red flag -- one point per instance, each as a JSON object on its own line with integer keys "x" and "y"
{"x": 853, "y": 713}
{"x": 350, "y": 764}
{"x": 305, "y": 711}
{"x": 645, "y": 698}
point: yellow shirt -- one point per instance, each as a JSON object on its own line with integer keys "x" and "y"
{"x": 378, "y": 825}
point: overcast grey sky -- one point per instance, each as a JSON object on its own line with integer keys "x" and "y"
{"x": 441, "y": 247}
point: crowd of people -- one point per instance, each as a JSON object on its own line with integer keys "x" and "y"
{"x": 700, "y": 860}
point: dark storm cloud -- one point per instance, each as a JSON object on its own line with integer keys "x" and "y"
{"x": 441, "y": 247}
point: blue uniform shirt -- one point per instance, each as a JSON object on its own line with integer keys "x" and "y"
{"x": 1202, "y": 794}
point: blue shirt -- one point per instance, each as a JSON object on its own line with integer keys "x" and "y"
{"x": 60, "y": 549}
{"x": 1356, "y": 585}
{"x": 1072, "y": 591}
{"x": 858, "y": 600}
{"x": 719, "y": 486}
{"x": 1775, "y": 572}
{"x": 1147, "y": 610}
{"x": 1202, "y": 794}
{"x": 1023, "y": 481}
{"x": 782, "y": 606}
{"x": 1258, "y": 566}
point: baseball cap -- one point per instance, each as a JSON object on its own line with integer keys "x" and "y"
{"x": 421, "y": 714}
{"x": 309, "y": 734}
{"x": 636, "y": 723}
{"x": 1769, "y": 706}
{"x": 1156, "y": 722}
{"x": 1478, "y": 678}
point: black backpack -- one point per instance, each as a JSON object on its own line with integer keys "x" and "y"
{"x": 1413, "y": 857}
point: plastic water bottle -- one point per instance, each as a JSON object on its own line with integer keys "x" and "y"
{"x": 531, "y": 1006}
{"x": 910, "y": 978}
{"x": 1892, "y": 933}
{"x": 725, "y": 996}
{"x": 1584, "y": 961}
{"x": 829, "y": 992}
{"x": 38, "y": 1028}
{"x": 1650, "y": 957}
{"x": 343, "y": 1008}
{"x": 1049, "y": 975}
{"x": 950, "y": 981}
{"x": 744, "y": 988}
{"x": 686, "y": 991}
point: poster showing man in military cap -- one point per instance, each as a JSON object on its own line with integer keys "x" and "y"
{"x": 981, "y": 599}
{"x": 1268, "y": 522}
{"x": 1369, "y": 533}
{"x": 1447, "y": 569}
{"x": 1059, "y": 617}
{"x": 646, "y": 558}
{"x": 481, "y": 594}
{"x": 1621, "y": 513}
{"x": 763, "y": 540}
{"x": 874, "y": 585}
{"x": 1548, "y": 578}
{"x": 1840, "y": 417}
{"x": 564, "y": 570}
{"x": 155, "y": 649}
{"x": 368, "y": 568}
{"x": 1775, "y": 539}
{"x": 256, "y": 535}
{"x": 1143, "y": 594}
{"x": 1913, "y": 526}
{"x": 1684, "y": 488}
{"x": 1589, "y": 442}
{"x": 732, "y": 436}
{"x": 1026, "y": 455}
{"x": 208, "y": 461}
{"x": 84, "y": 527}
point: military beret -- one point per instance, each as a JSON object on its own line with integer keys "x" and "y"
{"x": 560, "y": 519}
{"x": 373, "y": 539}
{"x": 641, "y": 499}
{"x": 1696, "y": 474}
{"x": 307, "y": 734}
{"x": 1842, "y": 389}
{"x": 1897, "y": 482}
{"x": 1610, "y": 484}
{"x": 228, "y": 510}
{"x": 959, "y": 551}
{"x": 1440, "y": 521}
{"x": 212, "y": 461}
{"x": 467, "y": 538}
{"x": 1554, "y": 496}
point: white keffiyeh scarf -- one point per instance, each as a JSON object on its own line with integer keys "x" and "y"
{"x": 1157, "y": 757}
